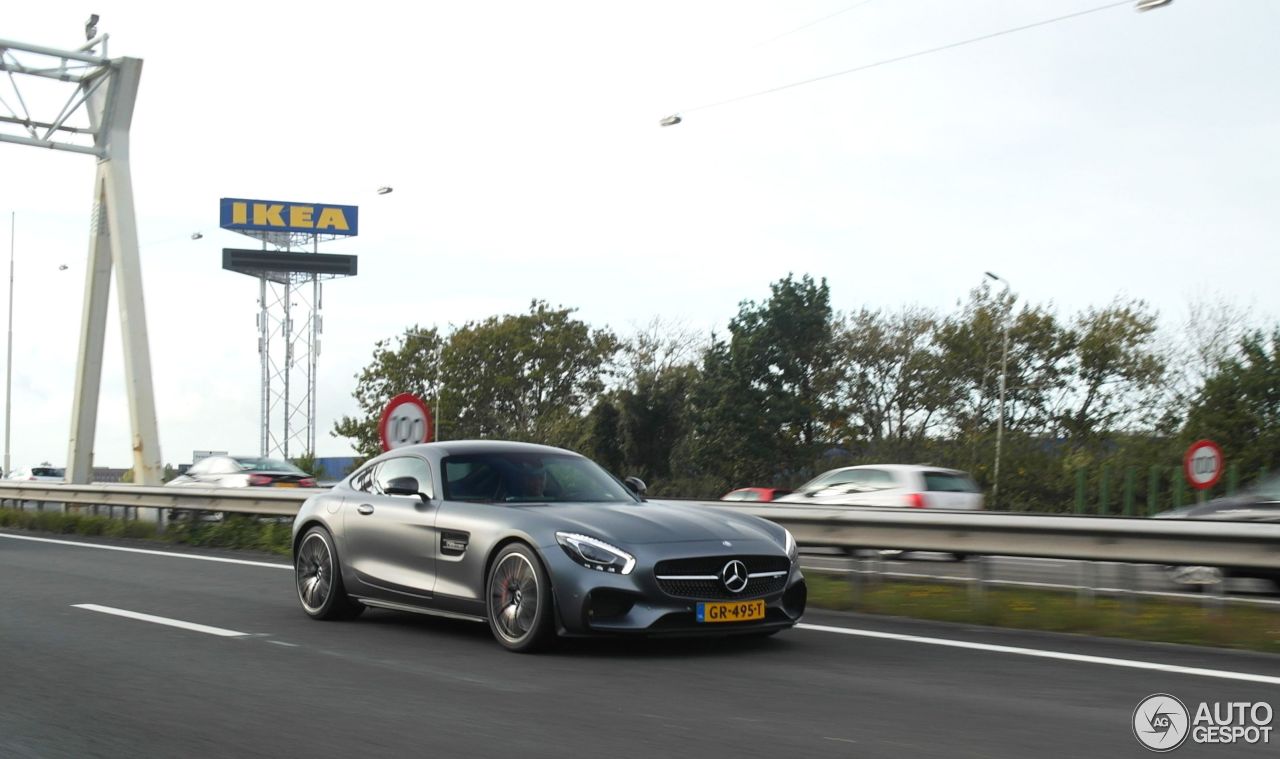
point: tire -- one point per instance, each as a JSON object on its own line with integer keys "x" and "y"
{"x": 518, "y": 600}
{"x": 318, "y": 578}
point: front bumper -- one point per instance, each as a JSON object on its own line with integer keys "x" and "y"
{"x": 590, "y": 602}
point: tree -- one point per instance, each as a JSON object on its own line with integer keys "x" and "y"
{"x": 1239, "y": 405}
{"x": 307, "y": 463}
{"x": 786, "y": 348}
{"x": 761, "y": 407}
{"x": 526, "y": 376}
{"x": 407, "y": 364}
{"x": 1114, "y": 372}
{"x": 892, "y": 385}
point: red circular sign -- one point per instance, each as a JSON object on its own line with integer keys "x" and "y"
{"x": 1203, "y": 464}
{"x": 405, "y": 421}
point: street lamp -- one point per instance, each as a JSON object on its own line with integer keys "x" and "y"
{"x": 8, "y": 362}
{"x": 1004, "y": 366}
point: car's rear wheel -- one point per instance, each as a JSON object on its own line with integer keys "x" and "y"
{"x": 519, "y": 600}
{"x": 319, "y": 578}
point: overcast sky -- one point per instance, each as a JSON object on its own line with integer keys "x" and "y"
{"x": 1113, "y": 155}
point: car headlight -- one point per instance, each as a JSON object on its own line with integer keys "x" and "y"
{"x": 793, "y": 552}
{"x": 596, "y": 554}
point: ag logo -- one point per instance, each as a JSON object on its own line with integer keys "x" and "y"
{"x": 1161, "y": 722}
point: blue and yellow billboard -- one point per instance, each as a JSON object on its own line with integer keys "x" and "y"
{"x": 243, "y": 215}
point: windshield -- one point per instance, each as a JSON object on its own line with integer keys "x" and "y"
{"x": 48, "y": 471}
{"x": 830, "y": 479}
{"x": 254, "y": 464}
{"x": 1269, "y": 489}
{"x": 529, "y": 478}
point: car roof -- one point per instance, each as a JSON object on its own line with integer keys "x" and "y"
{"x": 464, "y": 447}
{"x": 898, "y": 468}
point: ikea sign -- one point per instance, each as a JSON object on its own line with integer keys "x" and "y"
{"x": 241, "y": 215}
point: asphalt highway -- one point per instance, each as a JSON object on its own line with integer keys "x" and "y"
{"x": 118, "y": 653}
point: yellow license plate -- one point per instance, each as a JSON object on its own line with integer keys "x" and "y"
{"x": 286, "y": 484}
{"x": 733, "y": 611}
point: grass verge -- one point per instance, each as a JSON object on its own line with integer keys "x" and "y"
{"x": 236, "y": 531}
{"x": 1151, "y": 619}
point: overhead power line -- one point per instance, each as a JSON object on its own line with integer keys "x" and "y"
{"x": 675, "y": 119}
{"x": 814, "y": 23}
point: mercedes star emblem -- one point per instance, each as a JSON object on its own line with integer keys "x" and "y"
{"x": 734, "y": 576}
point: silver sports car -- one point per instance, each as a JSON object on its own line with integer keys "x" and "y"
{"x": 539, "y": 542}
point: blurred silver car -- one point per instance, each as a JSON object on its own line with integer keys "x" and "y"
{"x": 1258, "y": 503}
{"x": 890, "y": 485}
{"x": 39, "y": 474}
{"x": 244, "y": 472}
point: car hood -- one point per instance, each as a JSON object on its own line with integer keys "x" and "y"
{"x": 658, "y": 522}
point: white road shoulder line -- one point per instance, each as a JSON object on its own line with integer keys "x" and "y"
{"x": 1084, "y": 658}
{"x": 149, "y": 552}
{"x": 219, "y": 631}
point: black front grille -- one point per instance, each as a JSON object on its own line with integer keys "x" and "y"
{"x": 711, "y": 590}
{"x": 711, "y": 565}
{"x": 714, "y": 589}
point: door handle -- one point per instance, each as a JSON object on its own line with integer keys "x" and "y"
{"x": 364, "y": 508}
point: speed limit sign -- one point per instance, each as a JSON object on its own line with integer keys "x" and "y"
{"x": 405, "y": 421}
{"x": 1202, "y": 464}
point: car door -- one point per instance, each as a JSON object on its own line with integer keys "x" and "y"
{"x": 390, "y": 540}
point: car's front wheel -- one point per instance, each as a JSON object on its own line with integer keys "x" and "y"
{"x": 319, "y": 578}
{"x": 519, "y": 600}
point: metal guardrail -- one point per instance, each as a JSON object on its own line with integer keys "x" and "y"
{"x": 281, "y": 502}
{"x": 1115, "y": 539}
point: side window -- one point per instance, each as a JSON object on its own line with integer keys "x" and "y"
{"x": 404, "y": 466}
{"x": 363, "y": 481}
{"x": 877, "y": 479}
{"x": 751, "y": 495}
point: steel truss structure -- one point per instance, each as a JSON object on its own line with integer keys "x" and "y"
{"x": 290, "y": 300}
{"x": 94, "y": 119}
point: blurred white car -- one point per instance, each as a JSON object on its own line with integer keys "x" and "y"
{"x": 39, "y": 474}
{"x": 890, "y": 485}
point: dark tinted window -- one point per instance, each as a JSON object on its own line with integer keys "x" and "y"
{"x": 48, "y": 471}
{"x": 1269, "y": 489}
{"x": 948, "y": 482}
{"x": 529, "y": 478}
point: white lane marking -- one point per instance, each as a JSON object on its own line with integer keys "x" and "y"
{"x": 1042, "y": 654}
{"x": 148, "y": 552}
{"x": 219, "y": 631}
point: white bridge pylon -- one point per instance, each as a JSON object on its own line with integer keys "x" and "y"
{"x": 95, "y": 120}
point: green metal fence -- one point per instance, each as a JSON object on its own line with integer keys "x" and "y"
{"x": 1165, "y": 488}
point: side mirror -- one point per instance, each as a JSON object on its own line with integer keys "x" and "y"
{"x": 402, "y": 486}
{"x": 636, "y": 485}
